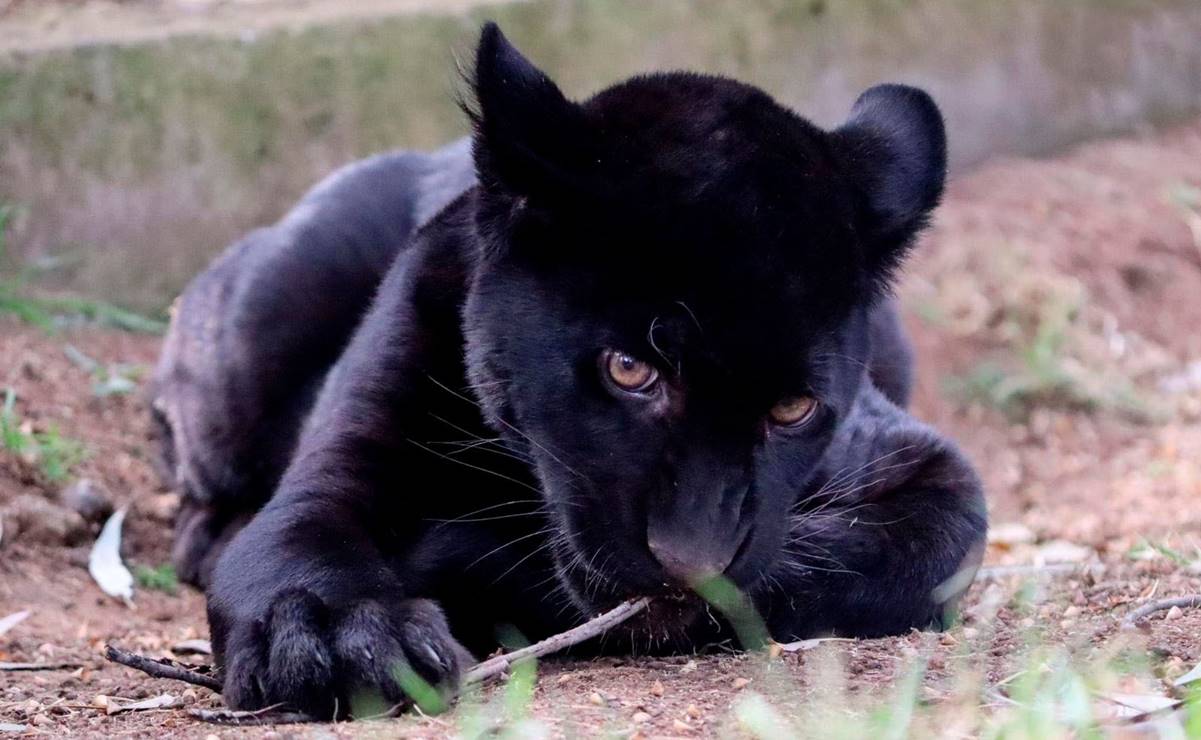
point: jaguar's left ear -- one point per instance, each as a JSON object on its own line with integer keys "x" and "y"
{"x": 895, "y": 148}
{"x": 530, "y": 141}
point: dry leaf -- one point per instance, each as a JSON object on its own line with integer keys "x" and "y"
{"x": 1125, "y": 706}
{"x": 162, "y": 701}
{"x": 1008, "y": 534}
{"x": 105, "y": 564}
{"x": 12, "y": 620}
{"x": 1062, "y": 551}
{"x": 1191, "y": 677}
{"x": 801, "y": 646}
{"x": 193, "y": 647}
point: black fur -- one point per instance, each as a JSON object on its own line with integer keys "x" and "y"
{"x": 466, "y": 465}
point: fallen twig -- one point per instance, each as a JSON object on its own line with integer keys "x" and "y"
{"x": 488, "y": 669}
{"x": 162, "y": 668}
{"x": 271, "y": 715}
{"x": 38, "y": 666}
{"x": 1184, "y": 602}
{"x": 592, "y": 628}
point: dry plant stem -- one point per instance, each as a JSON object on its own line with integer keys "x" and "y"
{"x": 1004, "y": 571}
{"x": 272, "y": 715}
{"x": 1184, "y": 602}
{"x": 37, "y": 666}
{"x": 162, "y": 668}
{"x": 494, "y": 667}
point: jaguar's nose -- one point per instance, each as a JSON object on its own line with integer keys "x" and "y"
{"x": 688, "y": 564}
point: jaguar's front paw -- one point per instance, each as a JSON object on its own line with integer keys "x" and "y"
{"x": 341, "y": 661}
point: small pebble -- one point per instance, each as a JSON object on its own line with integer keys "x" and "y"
{"x": 693, "y": 711}
{"x": 680, "y": 726}
{"x": 596, "y": 699}
{"x": 657, "y": 688}
{"x": 740, "y": 683}
{"x": 641, "y": 717}
{"x": 1173, "y": 613}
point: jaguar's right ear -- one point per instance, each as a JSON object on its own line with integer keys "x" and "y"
{"x": 896, "y": 147}
{"x": 530, "y": 141}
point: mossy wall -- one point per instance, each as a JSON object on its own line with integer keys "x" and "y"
{"x": 133, "y": 165}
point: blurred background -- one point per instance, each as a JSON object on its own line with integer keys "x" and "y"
{"x": 138, "y": 137}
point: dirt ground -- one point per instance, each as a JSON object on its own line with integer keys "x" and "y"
{"x": 1055, "y": 305}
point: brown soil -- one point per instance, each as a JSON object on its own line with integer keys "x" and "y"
{"x": 1091, "y": 484}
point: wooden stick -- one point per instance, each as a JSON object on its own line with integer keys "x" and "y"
{"x": 491, "y": 668}
{"x": 594, "y": 627}
{"x": 1184, "y": 602}
{"x": 162, "y": 668}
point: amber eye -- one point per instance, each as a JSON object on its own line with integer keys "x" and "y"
{"x": 793, "y": 412}
{"x": 627, "y": 372}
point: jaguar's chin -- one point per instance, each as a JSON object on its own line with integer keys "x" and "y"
{"x": 672, "y": 624}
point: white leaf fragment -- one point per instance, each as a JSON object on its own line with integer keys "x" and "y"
{"x": 162, "y": 701}
{"x": 1011, "y": 533}
{"x": 105, "y": 564}
{"x": 193, "y": 647}
{"x": 12, "y": 620}
{"x": 1126, "y": 706}
{"x": 810, "y": 644}
{"x": 1192, "y": 676}
{"x": 1062, "y": 551}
